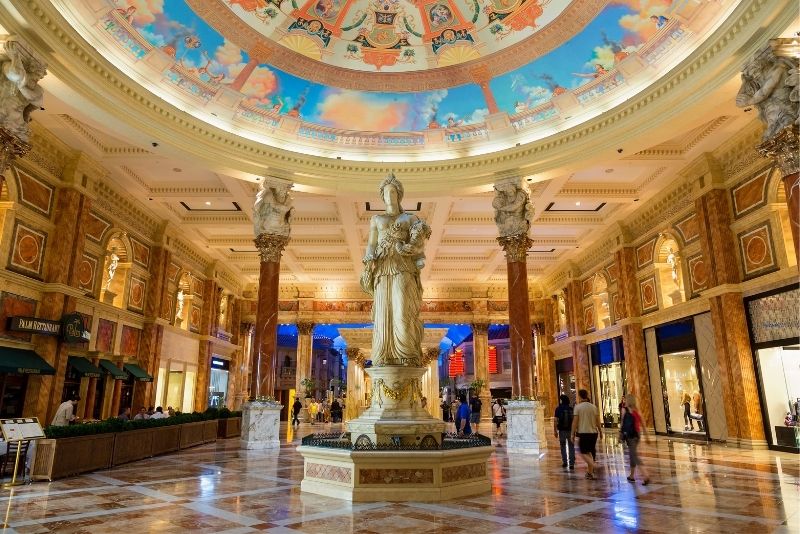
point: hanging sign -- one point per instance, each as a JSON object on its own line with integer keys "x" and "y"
{"x": 74, "y": 328}
{"x": 35, "y": 326}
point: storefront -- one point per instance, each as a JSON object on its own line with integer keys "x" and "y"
{"x": 177, "y": 372}
{"x": 15, "y": 366}
{"x": 608, "y": 378}
{"x": 682, "y": 359}
{"x": 774, "y": 332}
{"x": 565, "y": 378}
{"x": 218, "y": 383}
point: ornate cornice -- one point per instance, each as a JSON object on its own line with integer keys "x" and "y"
{"x": 270, "y": 246}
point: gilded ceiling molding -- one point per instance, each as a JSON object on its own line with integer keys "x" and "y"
{"x": 708, "y": 66}
{"x": 565, "y": 26}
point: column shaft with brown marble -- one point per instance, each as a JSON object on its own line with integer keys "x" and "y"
{"x": 209, "y": 317}
{"x": 628, "y": 309}
{"x": 575, "y": 327}
{"x": 784, "y": 148}
{"x": 149, "y": 354}
{"x": 480, "y": 349}
{"x": 519, "y": 318}
{"x": 265, "y": 347}
{"x": 305, "y": 345}
{"x": 547, "y": 378}
{"x": 91, "y": 391}
{"x": 731, "y": 336}
{"x": 234, "y": 380}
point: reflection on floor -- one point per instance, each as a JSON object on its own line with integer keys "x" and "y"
{"x": 220, "y": 488}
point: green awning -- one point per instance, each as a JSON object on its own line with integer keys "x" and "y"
{"x": 84, "y": 367}
{"x": 115, "y": 372}
{"x": 138, "y": 373}
{"x": 23, "y": 361}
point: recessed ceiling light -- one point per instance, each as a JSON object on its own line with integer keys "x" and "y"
{"x": 208, "y": 203}
{"x": 177, "y": 169}
{"x": 578, "y": 203}
{"x": 609, "y": 171}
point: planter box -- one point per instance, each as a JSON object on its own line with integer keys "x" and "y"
{"x": 192, "y": 434}
{"x": 210, "y": 431}
{"x": 58, "y": 458}
{"x": 229, "y": 428}
{"x": 132, "y": 446}
{"x": 166, "y": 439}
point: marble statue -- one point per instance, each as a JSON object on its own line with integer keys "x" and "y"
{"x": 179, "y": 305}
{"x": 394, "y": 257}
{"x": 223, "y": 308}
{"x": 562, "y": 313}
{"x": 112, "y": 268}
{"x": 20, "y": 93}
{"x": 272, "y": 213}
{"x": 771, "y": 83}
{"x": 672, "y": 261}
{"x": 513, "y": 211}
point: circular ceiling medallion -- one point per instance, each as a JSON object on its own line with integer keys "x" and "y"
{"x": 756, "y": 250}
{"x": 28, "y": 249}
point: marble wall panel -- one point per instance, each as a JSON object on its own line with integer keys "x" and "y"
{"x": 712, "y": 381}
{"x": 757, "y": 251}
{"x": 750, "y": 194}
{"x": 141, "y": 253}
{"x": 463, "y": 472}
{"x": 12, "y": 305}
{"x": 197, "y": 287}
{"x": 87, "y": 270}
{"x": 648, "y": 292}
{"x": 129, "y": 341}
{"x": 645, "y": 253}
{"x": 194, "y": 318}
{"x": 688, "y": 228}
{"x": 27, "y": 250}
{"x": 34, "y": 193}
{"x": 497, "y": 306}
{"x": 96, "y": 227}
{"x": 617, "y": 307}
{"x": 167, "y": 305}
{"x": 172, "y": 272}
{"x": 588, "y": 318}
{"x": 447, "y": 306}
{"x": 613, "y": 273}
{"x": 587, "y": 286}
{"x": 104, "y": 340}
{"x": 698, "y": 274}
{"x": 249, "y": 306}
{"x": 136, "y": 293}
{"x": 335, "y": 473}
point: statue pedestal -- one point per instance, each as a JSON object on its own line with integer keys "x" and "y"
{"x": 109, "y": 296}
{"x": 260, "y": 426}
{"x": 396, "y": 414}
{"x": 525, "y": 420}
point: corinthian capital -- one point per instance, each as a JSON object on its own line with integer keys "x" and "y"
{"x": 305, "y": 327}
{"x": 20, "y": 94}
{"x": 515, "y": 246}
{"x": 270, "y": 246}
{"x": 784, "y": 148}
{"x": 513, "y": 210}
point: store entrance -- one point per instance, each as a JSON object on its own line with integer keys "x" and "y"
{"x": 608, "y": 377}
{"x": 779, "y": 372}
{"x": 565, "y": 378}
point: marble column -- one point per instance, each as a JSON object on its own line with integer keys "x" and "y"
{"x": 513, "y": 213}
{"x": 149, "y": 354}
{"x": 305, "y": 344}
{"x": 784, "y": 148}
{"x": 575, "y": 327}
{"x": 480, "y": 349}
{"x": 91, "y": 392}
{"x": 355, "y": 383}
{"x": 430, "y": 358}
{"x": 637, "y": 375}
{"x": 482, "y": 76}
{"x": 547, "y": 378}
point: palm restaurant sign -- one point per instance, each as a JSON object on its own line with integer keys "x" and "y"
{"x": 71, "y": 326}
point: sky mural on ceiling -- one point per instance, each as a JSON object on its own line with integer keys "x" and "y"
{"x": 621, "y": 28}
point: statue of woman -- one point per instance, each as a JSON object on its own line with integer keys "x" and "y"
{"x": 392, "y": 263}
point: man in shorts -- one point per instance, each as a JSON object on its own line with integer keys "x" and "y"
{"x": 586, "y": 426}
{"x": 475, "y": 413}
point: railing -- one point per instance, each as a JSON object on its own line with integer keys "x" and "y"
{"x": 540, "y": 113}
{"x": 427, "y": 443}
{"x": 599, "y": 86}
{"x": 189, "y": 82}
{"x": 664, "y": 40}
{"x": 360, "y": 139}
{"x": 466, "y": 133}
{"x": 124, "y": 34}
{"x": 258, "y": 115}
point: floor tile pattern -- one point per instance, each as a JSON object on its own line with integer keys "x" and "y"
{"x": 219, "y": 488}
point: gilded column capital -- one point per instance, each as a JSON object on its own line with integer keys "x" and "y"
{"x": 784, "y": 148}
{"x": 515, "y": 246}
{"x": 481, "y": 328}
{"x": 305, "y": 327}
{"x": 355, "y": 355}
{"x": 11, "y": 147}
{"x": 270, "y": 246}
{"x": 429, "y": 354}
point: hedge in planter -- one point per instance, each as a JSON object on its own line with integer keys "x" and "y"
{"x": 115, "y": 425}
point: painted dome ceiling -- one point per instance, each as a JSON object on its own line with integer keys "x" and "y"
{"x": 388, "y": 66}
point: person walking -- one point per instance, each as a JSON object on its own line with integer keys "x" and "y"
{"x": 296, "y": 407}
{"x": 562, "y": 426}
{"x": 313, "y": 408}
{"x": 498, "y": 414}
{"x": 463, "y": 418}
{"x": 632, "y": 429}
{"x": 586, "y": 426}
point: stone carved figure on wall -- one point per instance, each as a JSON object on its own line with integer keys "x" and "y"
{"x": 771, "y": 83}
{"x": 223, "y": 309}
{"x": 562, "y": 313}
{"x": 272, "y": 213}
{"x": 513, "y": 211}
{"x": 179, "y": 304}
{"x": 394, "y": 257}
{"x": 112, "y": 268}
{"x": 20, "y": 93}
{"x": 672, "y": 261}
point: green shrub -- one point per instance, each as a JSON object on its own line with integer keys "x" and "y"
{"x": 114, "y": 424}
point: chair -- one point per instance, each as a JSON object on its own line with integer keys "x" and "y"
{"x": 7, "y": 461}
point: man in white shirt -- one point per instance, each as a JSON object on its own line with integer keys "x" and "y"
{"x": 66, "y": 412}
{"x": 159, "y": 414}
{"x": 586, "y": 425}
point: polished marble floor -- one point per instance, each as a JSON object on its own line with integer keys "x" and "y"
{"x": 220, "y": 488}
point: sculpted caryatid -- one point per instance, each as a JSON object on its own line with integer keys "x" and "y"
{"x": 392, "y": 263}
{"x": 272, "y": 213}
{"x": 20, "y": 93}
{"x": 513, "y": 211}
{"x": 772, "y": 84}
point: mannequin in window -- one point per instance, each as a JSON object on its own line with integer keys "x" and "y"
{"x": 697, "y": 410}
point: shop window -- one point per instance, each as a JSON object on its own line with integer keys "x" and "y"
{"x": 669, "y": 271}
{"x": 602, "y": 313}
{"x": 12, "y": 394}
{"x": 608, "y": 369}
{"x": 116, "y": 268}
{"x": 779, "y": 369}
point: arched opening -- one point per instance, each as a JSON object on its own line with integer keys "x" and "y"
{"x": 116, "y": 268}
{"x": 669, "y": 271}
{"x": 602, "y": 311}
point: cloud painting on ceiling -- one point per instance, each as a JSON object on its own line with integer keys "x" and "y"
{"x": 620, "y": 29}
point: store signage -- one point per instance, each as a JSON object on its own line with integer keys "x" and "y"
{"x": 219, "y": 363}
{"x": 35, "y": 326}
{"x": 74, "y": 329}
{"x": 775, "y": 317}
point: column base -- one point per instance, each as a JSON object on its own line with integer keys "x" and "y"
{"x": 525, "y": 421}
{"x": 260, "y": 426}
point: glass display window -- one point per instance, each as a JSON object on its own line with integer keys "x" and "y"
{"x": 608, "y": 379}
{"x": 779, "y": 372}
{"x": 565, "y": 378}
{"x": 683, "y": 398}
{"x": 218, "y": 382}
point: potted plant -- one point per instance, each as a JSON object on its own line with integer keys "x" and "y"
{"x": 309, "y": 385}
{"x": 477, "y": 385}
